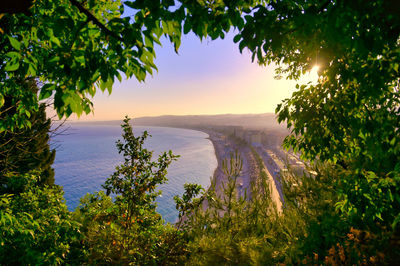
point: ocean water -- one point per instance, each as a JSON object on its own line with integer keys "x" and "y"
{"x": 86, "y": 156}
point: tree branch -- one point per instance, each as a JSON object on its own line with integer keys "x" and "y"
{"x": 95, "y": 20}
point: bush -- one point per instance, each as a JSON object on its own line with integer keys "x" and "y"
{"x": 235, "y": 230}
{"x": 35, "y": 224}
{"x": 128, "y": 230}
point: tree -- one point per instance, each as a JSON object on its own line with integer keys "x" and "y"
{"x": 76, "y": 47}
{"x": 136, "y": 180}
{"x": 27, "y": 149}
{"x": 351, "y": 117}
{"x": 128, "y": 230}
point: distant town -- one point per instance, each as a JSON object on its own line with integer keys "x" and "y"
{"x": 265, "y": 144}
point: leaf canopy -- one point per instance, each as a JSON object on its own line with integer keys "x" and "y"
{"x": 77, "y": 47}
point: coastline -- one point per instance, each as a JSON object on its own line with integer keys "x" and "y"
{"x": 100, "y": 141}
{"x": 216, "y": 156}
{"x": 212, "y": 136}
{"x": 223, "y": 148}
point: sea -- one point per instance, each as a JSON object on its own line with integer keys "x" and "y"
{"x": 86, "y": 155}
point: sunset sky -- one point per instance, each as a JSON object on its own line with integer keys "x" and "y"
{"x": 208, "y": 77}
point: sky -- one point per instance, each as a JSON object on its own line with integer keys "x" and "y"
{"x": 205, "y": 77}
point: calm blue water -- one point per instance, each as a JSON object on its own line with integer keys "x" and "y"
{"x": 87, "y": 156}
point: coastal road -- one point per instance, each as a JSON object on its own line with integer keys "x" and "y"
{"x": 276, "y": 195}
{"x": 273, "y": 167}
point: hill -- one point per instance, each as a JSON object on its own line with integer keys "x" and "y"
{"x": 248, "y": 121}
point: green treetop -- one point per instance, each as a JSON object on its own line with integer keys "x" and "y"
{"x": 76, "y": 47}
{"x": 26, "y": 149}
{"x": 351, "y": 117}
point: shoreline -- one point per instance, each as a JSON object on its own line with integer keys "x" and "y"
{"x": 216, "y": 156}
{"x": 224, "y": 146}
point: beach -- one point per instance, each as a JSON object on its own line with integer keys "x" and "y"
{"x": 225, "y": 147}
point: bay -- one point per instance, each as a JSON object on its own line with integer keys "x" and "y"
{"x": 86, "y": 156}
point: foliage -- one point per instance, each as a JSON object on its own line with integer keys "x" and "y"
{"x": 37, "y": 228}
{"x": 350, "y": 117}
{"x": 128, "y": 230}
{"x": 313, "y": 198}
{"x": 35, "y": 225}
{"x": 109, "y": 237}
{"x": 309, "y": 231}
{"x": 77, "y": 47}
{"x": 236, "y": 230}
{"x": 331, "y": 237}
{"x": 135, "y": 181}
{"x": 188, "y": 203}
{"x": 27, "y": 149}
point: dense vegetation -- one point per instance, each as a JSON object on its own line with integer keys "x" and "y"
{"x": 346, "y": 125}
{"x": 21, "y": 150}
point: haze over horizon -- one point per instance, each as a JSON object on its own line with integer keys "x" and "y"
{"x": 205, "y": 78}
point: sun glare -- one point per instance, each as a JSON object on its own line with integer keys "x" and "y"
{"x": 314, "y": 70}
{"x": 313, "y": 74}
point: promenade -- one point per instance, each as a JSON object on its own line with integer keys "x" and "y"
{"x": 224, "y": 148}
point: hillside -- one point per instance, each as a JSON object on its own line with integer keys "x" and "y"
{"x": 249, "y": 121}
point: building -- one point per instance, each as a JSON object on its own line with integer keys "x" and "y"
{"x": 239, "y": 132}
{"x": 253, "y": 137}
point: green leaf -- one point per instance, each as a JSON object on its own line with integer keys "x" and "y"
{"x": 12, "y": 66}
{"x": 187, "y": 27}
{"x": 46, "y": 91}
{"x": 80, "y": 59}
{"x": 81, "y": 85}
{"x": 396, "y": 67}
{"x": 148, "y": 41}
{"x": 1, "y": 100}
{"x": 396, "y": 221}
{"x": 13, "y": 55}
{"x": 119, "y": 77}
{"x": 242, "y": 45}
{"x": 31, "y": 70}
{"x": 55, "y": 40}
{"x": 15, "y": 43}
{"x": 107, "y": 85}
{"x": 54, "y": 59}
